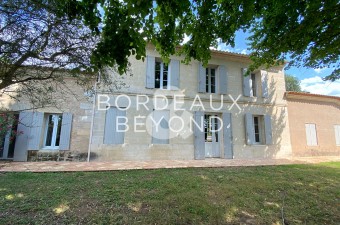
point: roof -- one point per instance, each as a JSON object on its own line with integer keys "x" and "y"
{"x": 312, "y": 97}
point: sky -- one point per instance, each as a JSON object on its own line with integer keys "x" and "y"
{"x": 311, "y": 79}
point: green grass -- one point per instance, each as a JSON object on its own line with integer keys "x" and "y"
{"x": 309, "y": 194}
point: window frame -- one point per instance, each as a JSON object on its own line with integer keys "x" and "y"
{"x": 54, "y": 131}
{"x": 253, "y": 79}
{"x": 208, "y": 78}
{"x": 161, "y": 75}
{"x": 261, "y": 130}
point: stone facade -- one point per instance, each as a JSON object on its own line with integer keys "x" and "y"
{"x": 138, "y": 145}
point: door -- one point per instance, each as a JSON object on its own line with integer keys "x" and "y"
{"x": 212, "y": 136}
{"x": 8, "y": 141}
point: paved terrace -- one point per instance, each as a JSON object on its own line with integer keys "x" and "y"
{"x": 49, "y": 166}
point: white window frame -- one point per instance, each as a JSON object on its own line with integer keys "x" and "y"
{"x": 208, "y": 83}
{"x": 162, "y": 76}
{"x": 54, "y": 132}
{"x": 261, "y": 129}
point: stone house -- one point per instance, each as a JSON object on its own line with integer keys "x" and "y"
{"x": 167, "y": 111}
{"x": 314, "y": 122}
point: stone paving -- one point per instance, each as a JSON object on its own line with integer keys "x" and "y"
{"x": 48, "y": 166}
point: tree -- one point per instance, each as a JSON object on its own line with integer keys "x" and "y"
{"x": 306, "y": 31}
{"x": 292, "y": 83}
{"x": 38, "y": 49}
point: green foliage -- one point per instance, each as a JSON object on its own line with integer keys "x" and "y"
{"x": 292, "y": 83}
{"x": 307, "y": 31}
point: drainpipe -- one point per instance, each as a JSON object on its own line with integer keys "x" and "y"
{"x": 92, "y": 119}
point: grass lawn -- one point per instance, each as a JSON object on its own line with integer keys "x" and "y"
{"x": 309, "y": 194}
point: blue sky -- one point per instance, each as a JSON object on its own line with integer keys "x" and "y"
{"x": 311, "y": 79}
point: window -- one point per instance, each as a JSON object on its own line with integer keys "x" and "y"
{"x": 337, "y": 134}
{"x": 8, "y": 139}
{"x": 258, "y": 129}
{"x": 210, "y": 128}
{"x": 210, "y": 83}
{"x": 161, "y": 75}
{"x": 253, "y": 85}
{"x": 52, "y": 131}
{"x": 311, "y": 134}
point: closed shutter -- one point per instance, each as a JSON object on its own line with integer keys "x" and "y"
{"x": 246, "y": 83}
{"x": 268, "y": 129}
{"x": 250, "y": 132}
{"x": 21, "y": 142}
{"x": 199, "y": 144}
{"x": 65, "y": 133}
{"x": 223, "y": 81}
{"x": 227, "y": 135}
{"x": 337, "y": 134}
{"x": 111, "y": 135}
{"x": 174, "y": 74}
{"x": 150, "y": 72}
{"x": 201, "y": 78}
{"x": 311, "y": 134}
{"x": 264, "y": 83}
{"x": 120, "y": 134}
{"x": 34, "y": 138}
{"x": 160, "y": 127}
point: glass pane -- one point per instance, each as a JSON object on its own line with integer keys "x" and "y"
{"x": 207, "y": 80}
{"x": 13, "y": 137}
{"x": 49, "y": 133}
{"x": 158, "y": 66}
{"x": 59, "y": 119}
{"x": 165, "y": 68}
{"x": 157, "y": 79}
{"x": 213, "y": 81}
{"x": 216, "y": 128}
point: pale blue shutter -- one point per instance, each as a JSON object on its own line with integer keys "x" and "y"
{"x": 227, "y": 135}
{"x": 174, "y": 74}
{"x": 250, "y": 132}
{"x": 111, "y": 135}
{"x": 201, "y": 78}
{"x": 264, "y": 83}
{"x": 199, "y": 143}
{"x": 268, "y": 129}
{"x": 150, "y": 72}
{"x": 120, "y": 133}
{"x": 246, "y": 83}
{"x": 223, "y": 82}
{"x": 34, "y": 138}
{"x": 21, "y": 142}
{"x": 65, "y": 133}
{"x": 160, "y": 133}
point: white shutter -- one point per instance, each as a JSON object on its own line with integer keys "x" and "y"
{"x": 246, "y": 83}
{"x": 201, "y": 78}
{"x": 160, "y": 128}
{"x": 150, "y": 72}
{"x": 311, "y": 134}
{"x": 250, "y": 132}
{"x": 199, "y": 144}
{"x": 65, "y": 133}
{"x": 268, "y": 129}
{"x": 337, "y": 134}
{"x": 264, "y": 83}
{"x": 34, "y": 138}
{"x": 223, "y": 80}
{"x": 21, "y": 142}
{"x": 174, "y": 74}
{"x": 227, "y": 135}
